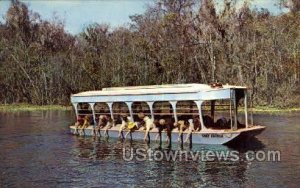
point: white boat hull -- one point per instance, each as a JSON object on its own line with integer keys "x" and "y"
{"x": 208, "y": 136}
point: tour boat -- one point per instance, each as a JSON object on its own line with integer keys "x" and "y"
{"x": 208, "y": 103}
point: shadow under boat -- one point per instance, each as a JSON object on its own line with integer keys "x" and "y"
{"x": 246, "y": 141}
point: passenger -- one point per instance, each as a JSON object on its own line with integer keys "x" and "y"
{"x": 161, "y": 125}
{"x": 240, "y": 125}
{"x": 109, "y": 124}
{"x": 123, "y": 125}
{"x": 191, "y": 129}
{"x": 101, "y": 124}
{"x": 221, "y": 123}
{"x": 197, "y": 124}
{"x": 149, "y": 125}
{"x": 141, "y": 123}
{"x": 78, "y": 124}
{"x": 141, "y": 115}
{"x": 181, "y": 127}
{"x": 170, "y": 127}
{"x": 208, "y": 121}
{"x": 86, "y": 124}
{"x": 131, "y": 126}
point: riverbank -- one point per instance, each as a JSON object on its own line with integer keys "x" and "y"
{"x": 30, "y": 107}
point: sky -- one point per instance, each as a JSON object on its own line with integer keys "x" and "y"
{"x": 77, "y": 14}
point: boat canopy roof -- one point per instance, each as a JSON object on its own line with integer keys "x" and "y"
{"x": 170, "y": 92}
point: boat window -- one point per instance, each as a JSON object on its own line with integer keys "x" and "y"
{"x": 216, "y": 114}
{"x": 140, "y": 107}
{"x": 241, "y": 114}
{"x": 120, "y": 109}
{"x": 85, "y": 109}
{"x": 186, "y": 110}
{"x": 101, "y": 108}
{"x": 162, "y": 110}
{"x": 240, "y": 96}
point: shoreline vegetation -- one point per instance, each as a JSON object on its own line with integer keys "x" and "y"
{"x": 172, "y": 42}
{"x": 29, "y": 107}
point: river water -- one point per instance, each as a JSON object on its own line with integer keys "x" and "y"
{"x": 36, "y": 150}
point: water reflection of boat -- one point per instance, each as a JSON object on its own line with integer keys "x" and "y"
{"x": 107, "y": 156}
{"x": 197, "y": 106}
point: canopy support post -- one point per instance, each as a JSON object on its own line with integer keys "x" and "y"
{"x": 199, "y": 103}
{"x": 110, "y": 110}
{"x": 129, "y": 105}
{"x": 150, "y": 104}
{"x": 93, "y": 111}
{"x": 235, "y": 110}
{"x": 76, "y": 110}
{"x": 173, "y": 103}
{"x": 246, "y": 107}
{"x": 212, "y": 109}
{"x": 230, "y": 110}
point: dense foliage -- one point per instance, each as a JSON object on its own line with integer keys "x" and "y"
{"x": 180, "y": 41}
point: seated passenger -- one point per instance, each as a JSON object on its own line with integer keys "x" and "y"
{"x": 141, "y": 123}
{"x": 197, "y": 124}
{"x": 221, "y": 123}
{"x": 141, "y": 115}
{"x": 149, "y": 125}
{"x": 240, "y": 125}
{"x": 208, "y": 121}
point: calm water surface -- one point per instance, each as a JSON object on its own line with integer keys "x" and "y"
{"x": 36, "y": 149}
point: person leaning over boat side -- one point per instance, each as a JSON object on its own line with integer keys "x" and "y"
{"x": 167, "y": 125}
{"x": 86, "y": 124}
{"x": 149, "y": 125}
{"x": 141, "y": 123}
{"x": 123, "y": 125}
{"x": 78, "y": 124}
{"x": 160, "y": 125}
{"x": 109, "y": 124}
{"x": 191, "y": 128}
{"x": 101, "y": 124}
{"x": 181, "y": 127}
{"x": 169, "y": 128}
{"x": 131, "y": 126}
